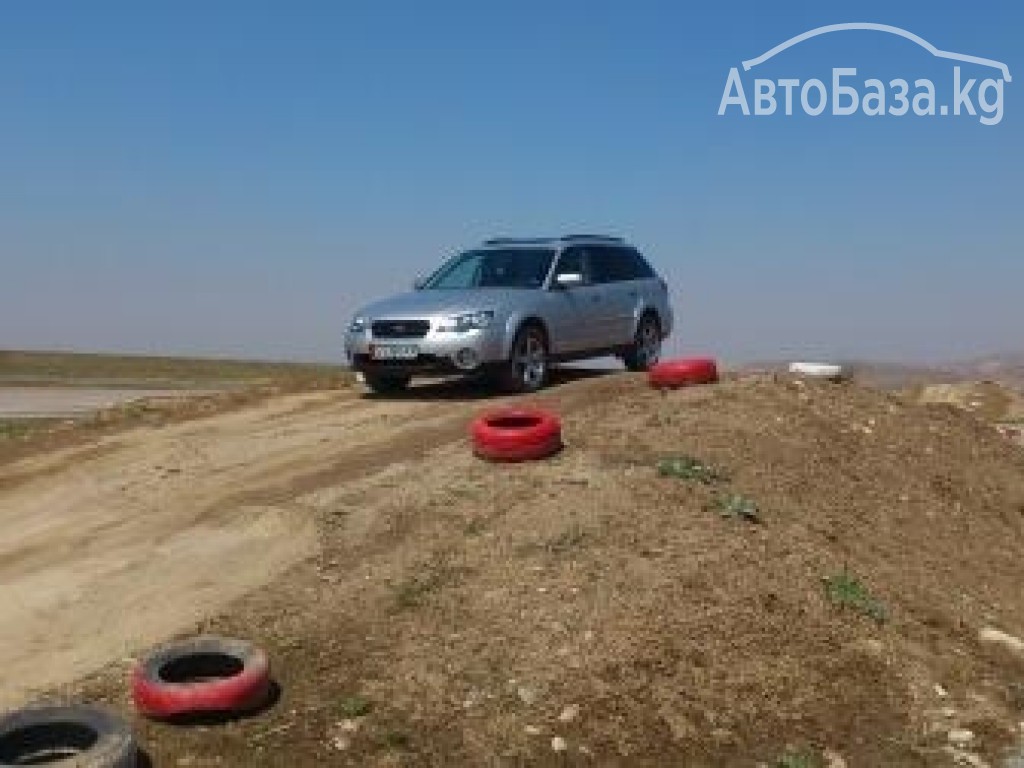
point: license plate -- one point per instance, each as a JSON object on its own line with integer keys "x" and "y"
{"x": 394, "y": 352}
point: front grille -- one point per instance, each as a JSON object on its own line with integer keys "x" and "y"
{"x": 400, "y": 329}
{"x": 422, "y": 364}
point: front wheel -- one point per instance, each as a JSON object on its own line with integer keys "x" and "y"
{"x": 527, "y": 368}
{"x": 386, "y": 385}
{"x": 645, "y": 351}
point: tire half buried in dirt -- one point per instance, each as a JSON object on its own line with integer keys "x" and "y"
{"x": 66, "y": 737}
{"x": 672, "y": 374}
{"x": 517, "y": 434}
{"x": 207, "y": 674}
{"x": 830, "y": 371}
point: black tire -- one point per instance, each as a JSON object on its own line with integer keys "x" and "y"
{"x": 66, "y": 737}
{"x": 645, "y": 351}
{"x": 386, "y": 385}
{"x": 527, "y": 367}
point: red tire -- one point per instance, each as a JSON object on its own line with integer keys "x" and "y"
{"x": 203, "y": 675}
{"x": 672, "y": 374}
{"x": 517, "y": 434}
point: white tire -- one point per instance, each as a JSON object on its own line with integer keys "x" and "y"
{"x": 818, "y": 370}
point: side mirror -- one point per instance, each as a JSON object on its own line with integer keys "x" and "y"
{"x": 568, "y": 280}
{"x": 418, "y": 283}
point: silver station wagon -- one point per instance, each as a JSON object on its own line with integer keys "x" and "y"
{"x": 510, "y": 308}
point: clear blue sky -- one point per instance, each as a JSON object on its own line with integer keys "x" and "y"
{"x": 236, "y": 177}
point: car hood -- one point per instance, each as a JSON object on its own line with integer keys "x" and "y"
{"x": 436, "y": 302}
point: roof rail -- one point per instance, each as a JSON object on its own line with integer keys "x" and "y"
{"x": 604, "y": 238}
{"x": 517, "y": 240}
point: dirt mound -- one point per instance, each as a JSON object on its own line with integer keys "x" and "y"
{"x": 594, "y": 610}
{"x": 989, "y": 400}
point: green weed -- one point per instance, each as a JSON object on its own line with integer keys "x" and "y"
{"x": 846, "y": 591}
{"x": 689, "y": 468}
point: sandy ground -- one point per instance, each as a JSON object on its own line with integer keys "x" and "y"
{"x": 65, "y": 402}
{"x": 111, "y": 546}
{"x": 473, "y": 605}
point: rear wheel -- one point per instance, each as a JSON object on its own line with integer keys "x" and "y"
{"x": 527, "y": 367}
{"x": 645, "y": 352}
{"x": 386, "y": 385}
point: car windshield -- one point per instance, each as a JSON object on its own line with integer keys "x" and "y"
{"x": 494, "y": 268}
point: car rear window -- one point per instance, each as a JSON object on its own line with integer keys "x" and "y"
{"x": 616, "y": 265}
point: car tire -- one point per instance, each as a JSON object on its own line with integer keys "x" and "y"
{"x": 206, "y": 674}
{"x": 683, "y": 372}
{"x": 70, "y": 736}
{"x": 516, "y": 434}
{"x": 386, "y": 385}
{"x": 830, "y": 371}
{"x": 645, "y": 352}
{"x": 527, "y": 367}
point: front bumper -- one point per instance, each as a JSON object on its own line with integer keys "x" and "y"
{"x": 441, "y": 353}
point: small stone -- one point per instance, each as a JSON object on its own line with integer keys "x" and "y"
{"x": 723, "y": 736}
{"x": 526, "y": 695}
{"x": 569, "y": 714}
{"x": 962, "y": 757}
{"x": 584, "y": 750}
{"x": 941, "y": 692}
{"x": 349, "y": 725}
{"x": 532, "y": 730}
{"x": 341, "y": 743}
{"x": 995, "y": 637}
{"x": 833, "y": 759}
{"x": 558, "y": 744}
{"x": 960, "y": 737}
{"x": 948, "y": 712}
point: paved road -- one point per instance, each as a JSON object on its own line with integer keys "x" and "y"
{"x": 67, "y": 402}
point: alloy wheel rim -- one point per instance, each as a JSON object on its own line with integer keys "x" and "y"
{"x": 650, "y": 344}
{"x": 531, "y": 361}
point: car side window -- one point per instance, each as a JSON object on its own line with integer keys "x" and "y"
{"x": 637, "y": 266}
{"x": 616, "y": 265}
{"x": 604, "y": 263}
{"x": 573, "y": 261}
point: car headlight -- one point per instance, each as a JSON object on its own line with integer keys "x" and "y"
{"x": 358, "y": 325}
{"x": 471, "y": 321}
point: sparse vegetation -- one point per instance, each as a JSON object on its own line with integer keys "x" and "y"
{"x": 799, "y": 759}
{"x": 571, "y": 538}
{"x": 738, "y": 507}
{"x": 428, "y": 578}
{"x": 846, "y": 591}
{"x": 689, "y": 468}
{"x": 355, "y": 706}
{"x": 397, "y": 740}
{"x": 12, "y": 430}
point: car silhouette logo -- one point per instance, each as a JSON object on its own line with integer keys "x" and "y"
{"x": 749, "y": 63}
